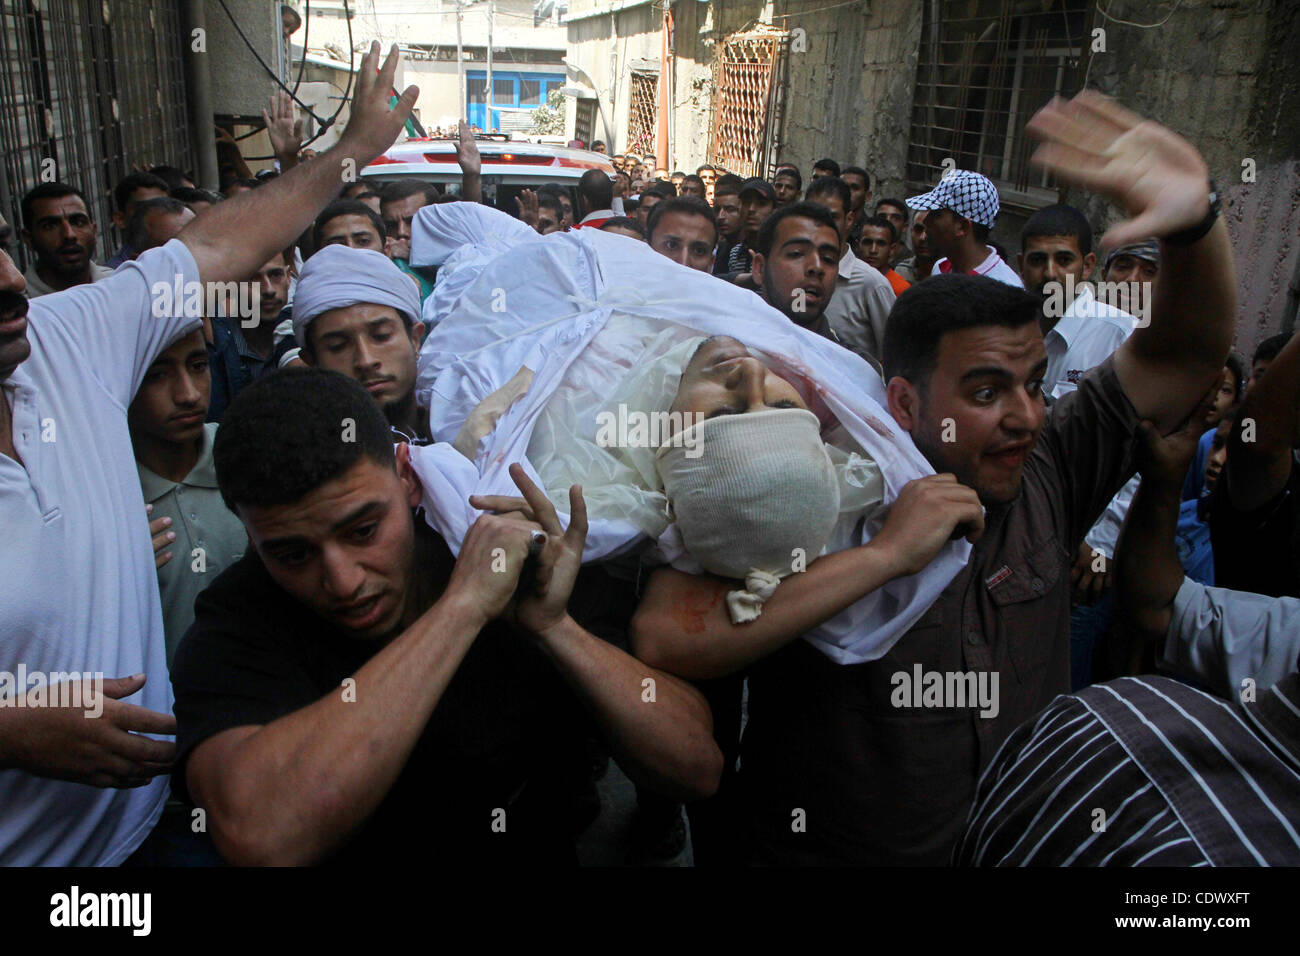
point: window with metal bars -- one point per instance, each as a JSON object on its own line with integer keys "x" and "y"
{"x": 642, "y": 112}
{"x": 584, "y": 121}
{"x": 96, "y": 88}
{"x": 746, "y": 109}
{"x": 983, "y": 70}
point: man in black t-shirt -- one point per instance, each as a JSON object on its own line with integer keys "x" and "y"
{"x": 350, "y": 692}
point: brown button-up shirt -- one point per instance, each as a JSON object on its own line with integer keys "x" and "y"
{"x": 885, "y": 784}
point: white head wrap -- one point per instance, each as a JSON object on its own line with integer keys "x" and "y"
{"x": 339, "y": 276}
{"x": 754, "y": 496}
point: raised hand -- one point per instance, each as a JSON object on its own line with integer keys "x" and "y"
{"x": 1155, "y": 175}
{"x": 373, "y": 124}
{"x": 467, "y": 151}
{"x": 283, "y": 128}
{"x": 527, "y": 203}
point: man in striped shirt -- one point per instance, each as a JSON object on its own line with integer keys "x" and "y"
{"x": 1148, "y": 771}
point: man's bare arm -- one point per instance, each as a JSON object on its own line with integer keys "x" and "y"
{"x": 1258, "y": 470}
{"x": 234, "y": 238}
{"x": 682, "y": 625}
{"x": 661, "y": 733}
{"x": 294, "y": 790}
{"x": 1162, "y": 183}
{"x": 1146, "y": 568}
{"x": 666, "y": 743}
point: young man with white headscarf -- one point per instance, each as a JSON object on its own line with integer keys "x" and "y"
{"x": 357, "y": 313}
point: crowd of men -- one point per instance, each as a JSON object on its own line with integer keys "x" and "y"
{"x": 341, "y": 688}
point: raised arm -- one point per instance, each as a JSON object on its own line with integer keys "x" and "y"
{"x": 234, "y": 238}
{"x": 1161, "y": 181}
{"x": 1146, "y": 568}
{"x": 283, "y": 129}
{"x": 1257, "y": 470}
{"x": 682, "y": 625}
{"x": 471, "y": 184}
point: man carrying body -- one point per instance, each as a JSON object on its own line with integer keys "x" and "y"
{"x": 878, "y": 778}
{"x": 1180, "y": 777}
{"x": 960, "y": 212}
{"x": 75, "y": 788}
{"x": 58, "y": 229}
{"x": 429, "y": 692}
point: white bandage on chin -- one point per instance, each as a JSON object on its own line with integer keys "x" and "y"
{"x": 756, "y": 497}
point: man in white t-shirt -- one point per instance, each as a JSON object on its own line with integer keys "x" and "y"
{"x": 959, "y": 214}
{"x": 1080, "y": 332}
{"x": 81, "y": 784}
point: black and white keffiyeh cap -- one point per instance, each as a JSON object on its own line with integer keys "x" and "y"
{"x": 968, "y": 194}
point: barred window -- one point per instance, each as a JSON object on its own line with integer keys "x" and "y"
{"x": 83, "y": 98}
{"x": 747, "y": 107}
{"x": 584, "y": 123}
{"x": 983, "y": 70}
{"x": 642, "y": 113}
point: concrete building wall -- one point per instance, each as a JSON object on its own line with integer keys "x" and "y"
{"x": 602, "y": 51}
{"x": 849, "y": 93}
{"x": 1222, "y": 73}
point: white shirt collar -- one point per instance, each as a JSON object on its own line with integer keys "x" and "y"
{"x": 1069, "y": 324}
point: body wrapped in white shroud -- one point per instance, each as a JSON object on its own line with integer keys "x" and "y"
{"x": 552, "y": 331}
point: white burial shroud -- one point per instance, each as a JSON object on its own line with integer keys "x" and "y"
{"x": 508, "y": 300}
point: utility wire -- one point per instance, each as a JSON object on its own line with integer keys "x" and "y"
{"x": 324, "y": 124}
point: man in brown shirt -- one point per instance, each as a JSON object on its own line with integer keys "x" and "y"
{"x": 854, "y": 764}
